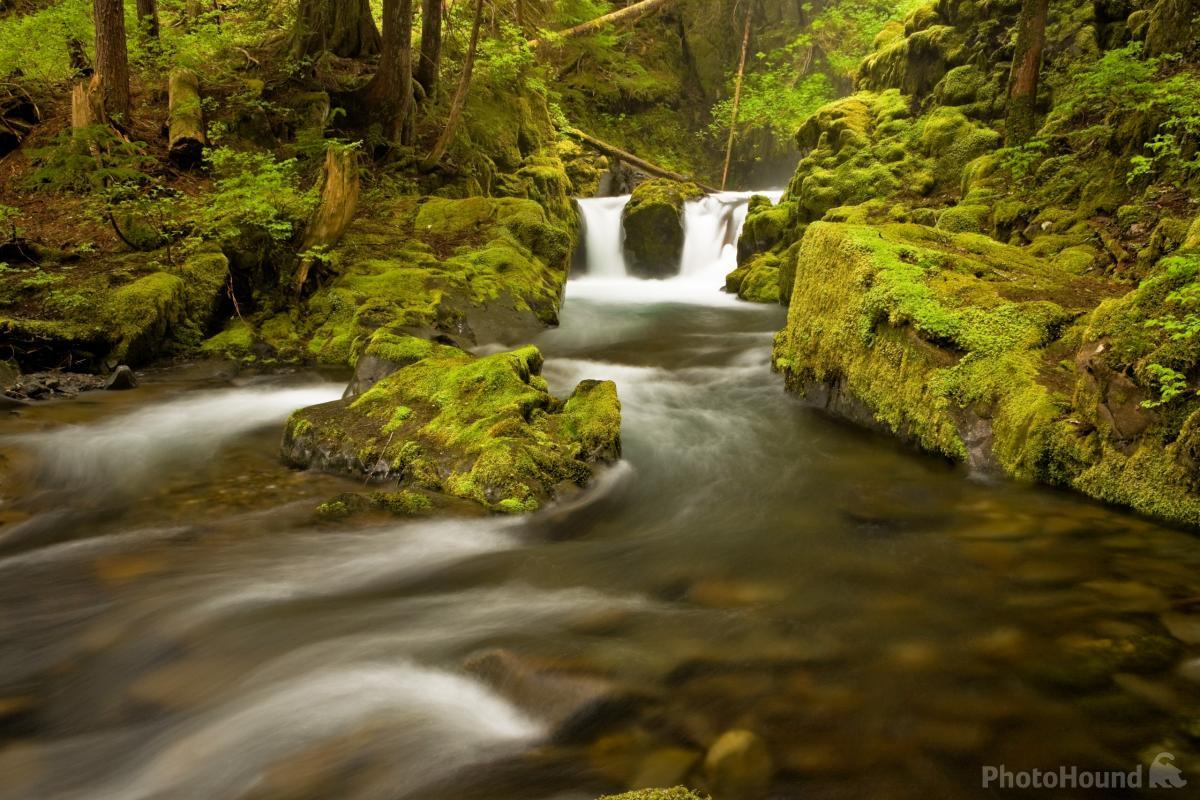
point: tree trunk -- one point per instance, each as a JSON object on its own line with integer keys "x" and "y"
{"x": 1021, "y": 119}
{"x": 112, "y": 59}
{"x": 147, "y": 15}
{"x": 390, "y": 91}
{"x": 339, "y": 199}
{"x": 737, "y": 100}
{"x": 628, "y": 13}
{"x": 431, "y": 46}
{"x": 344, "y": 28}
{"x": 629, "y": 158}
{"x": 460, "y": 94}
{"x": 185, "y": 118}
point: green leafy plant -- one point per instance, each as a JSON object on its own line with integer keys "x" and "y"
{"x": 252, "y": 192}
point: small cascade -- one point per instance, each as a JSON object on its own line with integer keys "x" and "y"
{"x": 711, "y": 228}
{"x": 602, "y": 235}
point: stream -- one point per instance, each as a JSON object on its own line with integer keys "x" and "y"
{"x": 174, "y": 623}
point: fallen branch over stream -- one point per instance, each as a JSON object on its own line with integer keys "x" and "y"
{"x": 629, "y": 158}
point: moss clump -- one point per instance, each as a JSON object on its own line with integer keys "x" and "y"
{"x": 757, "y": 281}
{"x": 653, "y": 225}
{"x": 483, "y": 429}
{"x": 965, "y": 219}
{"x": 403, "y": 503}
{"x": 676, "y": 793}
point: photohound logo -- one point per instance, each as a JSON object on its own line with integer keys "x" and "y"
{"x": 1162, "y": 774}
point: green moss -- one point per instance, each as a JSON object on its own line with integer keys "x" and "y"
{"x": 965, "y": 219}
{"x": 235, "y": 342}
{"x": 483, "y": 429}
{"x": 653, "y": 226}
{"x": 676, "y": 793}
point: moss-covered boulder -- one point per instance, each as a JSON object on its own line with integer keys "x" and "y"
{"x": 674, "y": 793}
{"x": 466, "y": 270}
{"x": 653, "y": 227}
{"x": 484, "y": 429}
{"x": 992, "y": 355}
{"x": 65, "y": 312}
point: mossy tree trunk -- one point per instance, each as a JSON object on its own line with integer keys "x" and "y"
{"x": 431, "y": 46}
{"x": 186, "y": 118}
{"x": 147, "y": 15}
{"x": 111, "y": 78}
{"x": 339, "y": 199}
{"x": 342, "y": 27}
{"x": 460, "y": 93}
{"x": 390, "y": 91}
{"x": 1021, "y": 117}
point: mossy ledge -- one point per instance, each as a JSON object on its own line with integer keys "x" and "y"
{"x": 988, "y": 354}
{"x": 484, "y": 429}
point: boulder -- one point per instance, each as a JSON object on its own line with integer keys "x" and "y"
{"x": 738, "y": 766}
{"x": 482, "y": 429}
{"x": 576, "y": 705}
{"x": 122, "y": 378}
{"x": 653, "y": 226}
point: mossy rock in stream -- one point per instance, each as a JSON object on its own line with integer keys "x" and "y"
{"x": 674, "y": 793}
{"x": 484, "y": 429}
{"x": 989, "y": 354}
{"x": 653, "y": 227}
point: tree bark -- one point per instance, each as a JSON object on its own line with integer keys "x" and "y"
{"x": 629, "y": 158}
{"x": 737, "y": 100}
{"x": 431, "y": 46}
{"x": 147, "y": 15}
{"x": 185, "y": 118}
{"x": 342, "y": 27}
{"x": 460, "y": 94}
{"x": 111, "y": 78}
{"x": 390, "y": 91}
{"x": 339, "y": 199}
{"x": 628, "y": 13}
{"x": 1021, "y": 117}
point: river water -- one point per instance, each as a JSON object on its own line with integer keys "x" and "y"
{"x": 175, "y": 624}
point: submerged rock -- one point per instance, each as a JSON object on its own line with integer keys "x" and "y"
{"x": 485, "y": 429}
{"x": 653, "y": 226}
{"x": 122, "y": 378}
{"x": 738, "y": 766}
{"x": 674, "y": 793}
{"x": 576, "y": 705}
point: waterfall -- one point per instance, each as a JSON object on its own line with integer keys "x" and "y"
{"x": 711, "y": 227}
{"x": 602, "y": 235}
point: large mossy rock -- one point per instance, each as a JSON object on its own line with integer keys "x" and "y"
{"x": 90, "y": 316}
{"x": 469, "y": 270}
{"x": 484, "y": 429}
{"x": 653, "y": 227}
{"x": 989, "y": 354}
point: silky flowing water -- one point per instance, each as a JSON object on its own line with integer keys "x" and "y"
{"x": 176, "y": 624}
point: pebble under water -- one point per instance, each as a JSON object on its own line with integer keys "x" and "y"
{"x": 174, "y": 624}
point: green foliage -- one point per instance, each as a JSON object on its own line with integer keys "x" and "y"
{"x": 846, "y": 30}
{"x": 775, "y": 95}
{"x": 1155, "y": 101}
{"x": 88, "y": 161}
{"x": 252, "y": 192}
{"x": 1180, "y": 323}
{"x": 35, "y": 45}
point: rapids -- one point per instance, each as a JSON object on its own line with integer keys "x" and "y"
{"x": 174, "y": 624}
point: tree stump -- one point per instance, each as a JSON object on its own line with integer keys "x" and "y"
{"x": 339, "y": 199}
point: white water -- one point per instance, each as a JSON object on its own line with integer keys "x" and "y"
{"x": 602, "y": 234}
{"x": 126, "y": 450}
{"x": 711, "y": 228}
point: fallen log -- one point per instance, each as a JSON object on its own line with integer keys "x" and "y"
{"x": 631, "y": 12}
{"x": 629, "y": 158}
{"x": 185, "y": 119}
